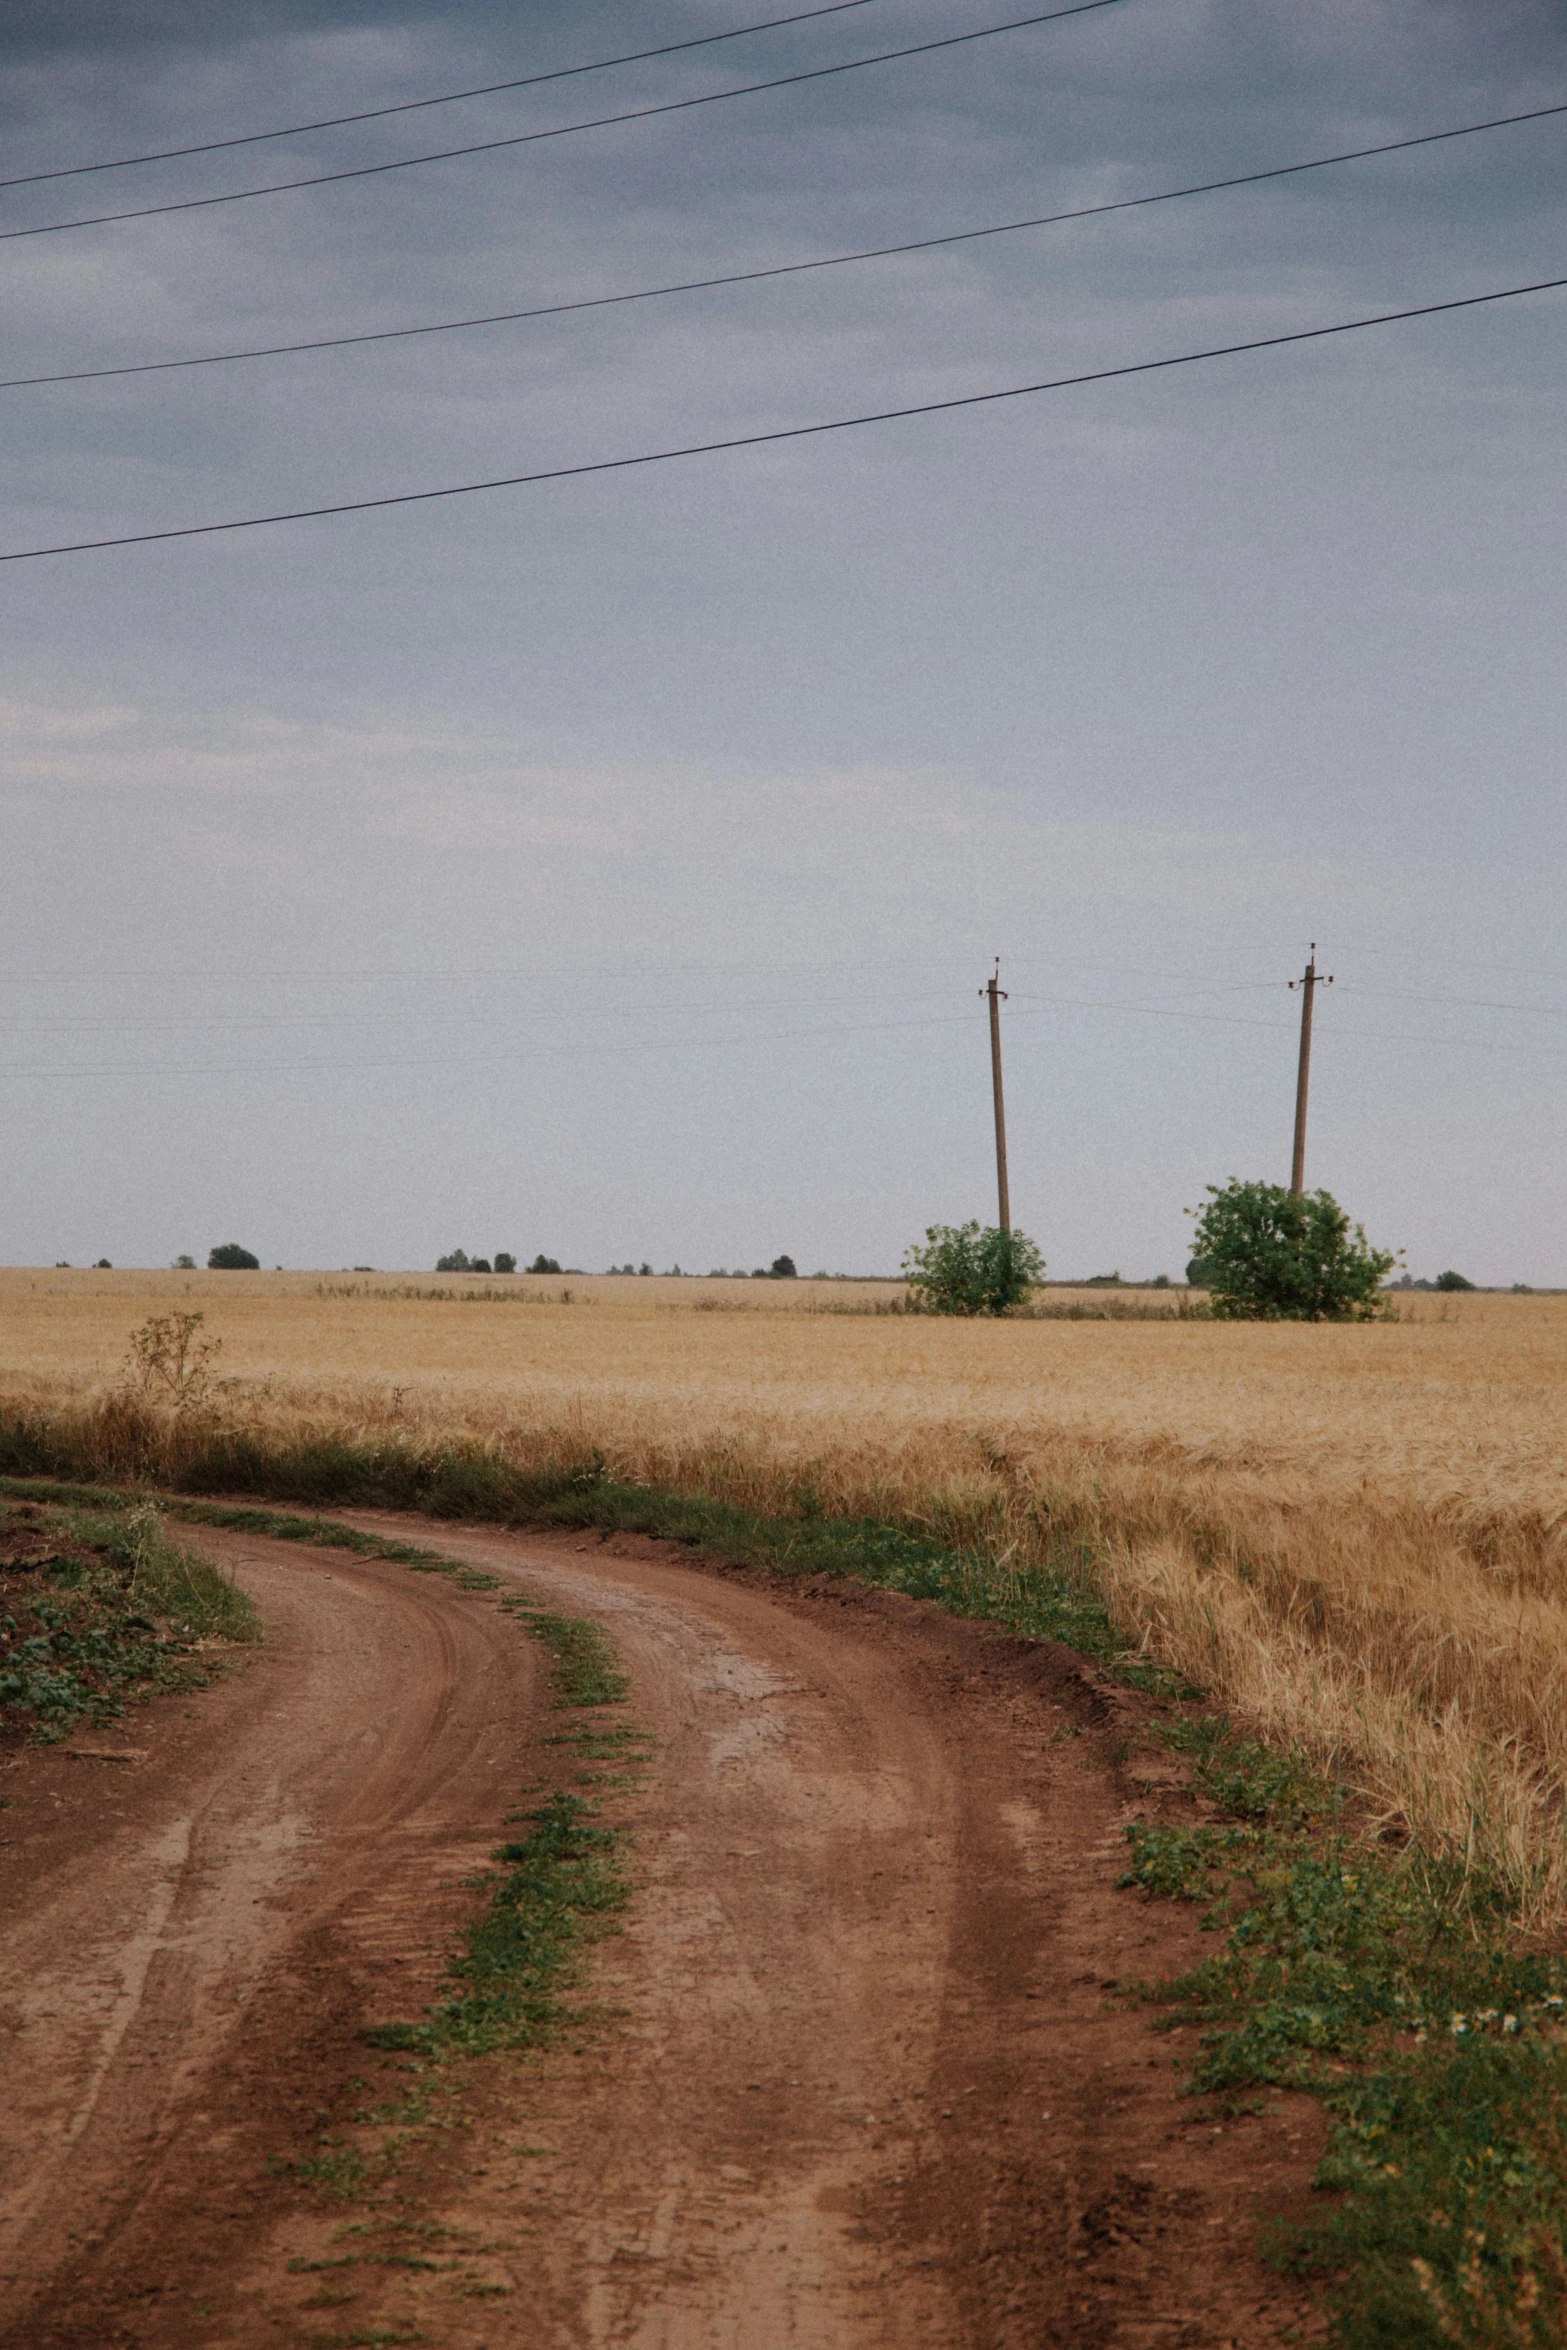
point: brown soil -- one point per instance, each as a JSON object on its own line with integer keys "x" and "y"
{"x": 859, "y": 2074}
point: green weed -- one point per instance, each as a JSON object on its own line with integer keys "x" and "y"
{"x": 338, "y": 2171}
{"x": 108, "y": 1610}
{"x": 583, "y": 1670}
{"x": 561, "y": 1886}
{"x": 1391, "y": 1988}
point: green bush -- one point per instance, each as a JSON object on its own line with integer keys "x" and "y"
{"x": 967, "y": 1269}
{"x": 231, "y": 1258}
{"x": 505, "y": 1262}
{"x": 1274, "y": 1255}
{"x": 1451, "y": 1280}
{"x": 543, "y": 1264}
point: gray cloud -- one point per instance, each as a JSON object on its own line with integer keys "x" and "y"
{"x": 1141, "y": 686}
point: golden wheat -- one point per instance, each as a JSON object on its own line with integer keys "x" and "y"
{"x": 1355, "y": 1536}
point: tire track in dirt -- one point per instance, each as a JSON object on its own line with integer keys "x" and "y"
{"x": 868, "y": 2088}
{"x": 372, "y": 1743}
{"x": 859, "y": 2084}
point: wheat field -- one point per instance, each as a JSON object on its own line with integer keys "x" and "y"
{"x": 1355, "y": 1537}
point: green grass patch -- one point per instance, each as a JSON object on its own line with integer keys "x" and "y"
{"x": 188, "y": 1591}
{"x": 583, "y": 1670}
{"x": 340, "y": 2172}
{"x": 100, "y": 1607}
{"x": 560, "y": 1888}
{"x": 1395, "y": 1990}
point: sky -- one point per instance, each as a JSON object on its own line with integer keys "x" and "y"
{"x": 611, "y": 866}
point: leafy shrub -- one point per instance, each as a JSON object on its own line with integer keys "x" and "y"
{"x": 505, "y": 1262}
{"x": 231, "y": 1258}
{"x": 1275, "y": 1255}
{"x": 1451, "y": 1280}
{"x": 783, "y": 1269}
{"x": 457, "y": 1262}
{"x": 480, "y": 1265}
{"x": 543, "y": 1264}
{"x": 964, "y": 1269}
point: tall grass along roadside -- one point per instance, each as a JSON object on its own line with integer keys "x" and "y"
{"x": 1356, "y": 1538}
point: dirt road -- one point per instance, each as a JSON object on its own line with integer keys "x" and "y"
{"x": 863, "y": 2080}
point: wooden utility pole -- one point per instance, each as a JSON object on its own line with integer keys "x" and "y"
{"x": 998, "y": 996}
{"x": 1308, "y": 986}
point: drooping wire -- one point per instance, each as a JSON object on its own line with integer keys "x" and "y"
{"x": 566, "y": 130}
{"x": 746, "y": 277}
{"x": 793, "y": 432}
{"x": 527, "y": 81}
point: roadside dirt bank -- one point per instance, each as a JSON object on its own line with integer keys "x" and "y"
{"x": 862, "y": 2078}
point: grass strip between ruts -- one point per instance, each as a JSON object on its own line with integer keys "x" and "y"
{"x": 557, "y": 1887}
{"x": 1388, "y": 1984}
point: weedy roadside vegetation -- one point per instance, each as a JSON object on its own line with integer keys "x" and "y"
{"x": 1394, "y": 1985}
{"x": 98, "y": 1608}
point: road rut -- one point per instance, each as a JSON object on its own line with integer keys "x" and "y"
{"x": 862, "y": 2080}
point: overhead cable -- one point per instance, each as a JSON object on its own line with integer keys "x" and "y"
{"x": 527, "y": 81}
{"x": 793, "y": 432}
{"x": 567, "y": 130}
{"x": 746, "y": 277}
{"x": 578, "y": 1050}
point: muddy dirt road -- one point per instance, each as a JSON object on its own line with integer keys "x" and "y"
{"x": 862, "y": 2079}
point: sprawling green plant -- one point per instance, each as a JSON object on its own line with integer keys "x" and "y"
{"x": 970, "y": 1269}
{"x": 1272, "y": 1255}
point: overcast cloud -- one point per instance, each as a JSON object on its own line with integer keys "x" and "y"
{"x": 610, "y": 867}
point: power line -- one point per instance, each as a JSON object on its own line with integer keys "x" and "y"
{"x": 550, "y": 972}
{"x": 767, "y": 1036}
{"x": 529, "y": 81}
{"x": 572, "y": 1052}
{"x": 793, "y": 432}
{"x": 580, "y": 1011}
{"x": 327, "y": 179}
{"x": 746, "y": 277}
{"x": 1477, "y": 1044}
{"x": 1477, "y": 1003}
